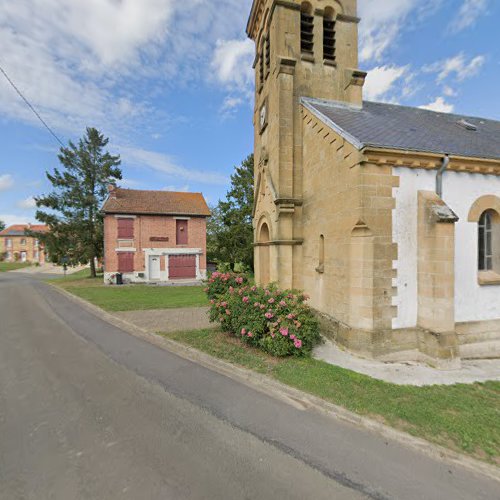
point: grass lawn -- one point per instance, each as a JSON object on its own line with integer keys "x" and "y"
{"x": 462, "y": 417}
{"x": 11, "y": 266}
{"x": 131, "y": 297}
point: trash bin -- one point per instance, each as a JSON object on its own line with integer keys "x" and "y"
{"x": 119, "y": 278}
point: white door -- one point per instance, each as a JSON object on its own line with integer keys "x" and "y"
{"x": 23, "y": 256}
{"x": 154, "y": 267}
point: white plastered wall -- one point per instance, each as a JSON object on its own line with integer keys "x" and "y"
{"x": 460, "y": 190}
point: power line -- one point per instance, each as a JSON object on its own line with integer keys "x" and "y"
{"x": 31, "y": 107}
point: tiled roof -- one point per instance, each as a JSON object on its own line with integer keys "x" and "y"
{"x": 133, "y": 201}
{"x": 390, "y": 126}
{"x": 20, "y": 229}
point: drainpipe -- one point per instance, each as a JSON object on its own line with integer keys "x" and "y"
{"x": 439, "y": 176}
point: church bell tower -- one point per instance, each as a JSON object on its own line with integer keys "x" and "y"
{"x": 303, "y": 49}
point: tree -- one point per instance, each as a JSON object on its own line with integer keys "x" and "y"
{"x": 2, "y": 225}
{"x": 230, "y": 231}
{"x": 75, "y": 222}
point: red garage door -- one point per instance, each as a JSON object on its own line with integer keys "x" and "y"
{"x": 182, "y": 266}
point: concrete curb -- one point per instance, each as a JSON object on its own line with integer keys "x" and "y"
{"x": 290, "y": 395}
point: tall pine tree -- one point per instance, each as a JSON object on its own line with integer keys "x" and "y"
{"x": 80, "y": 187}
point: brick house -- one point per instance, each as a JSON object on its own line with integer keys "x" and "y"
{"x": 154, "y": 236}
{"x": 16, "y": 246}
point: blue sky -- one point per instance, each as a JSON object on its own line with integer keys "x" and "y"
{"x": 171, "y": 84}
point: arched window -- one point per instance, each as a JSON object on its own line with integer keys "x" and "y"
{"x": 306, "y": 28}
{"x": 486, "y": 243}
{"x": 329, "y": 35}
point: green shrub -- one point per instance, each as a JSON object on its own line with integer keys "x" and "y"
{"x": 277, "y": 321}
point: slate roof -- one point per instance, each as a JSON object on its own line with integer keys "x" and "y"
{"x": 390, "y": 126}
{"x": 137, "y": 202}
{"x": 20, "y": 229}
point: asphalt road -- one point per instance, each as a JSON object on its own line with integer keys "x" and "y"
{"x": 88, "y": 411}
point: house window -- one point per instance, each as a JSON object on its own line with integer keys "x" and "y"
{"x": 9, "y": 255}
{"x": 486, "y": 244}
{"x": 125, "y": 262}
{"x": 329, "y": 36}
{"x": 125, "y": 229}
{"x": 306, "y": 28}
{"x": 181, "y": 232}
{"x": 8, "y": 243}
{"x": 23, "y": 242}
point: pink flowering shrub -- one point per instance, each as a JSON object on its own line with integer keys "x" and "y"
{"x": 277, "y": 321}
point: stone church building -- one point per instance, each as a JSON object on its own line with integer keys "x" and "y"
{"x": 387, "y": 216}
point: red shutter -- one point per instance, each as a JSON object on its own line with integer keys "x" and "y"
{"x": 125, "y": 262}
{"x": 126, "y": 229}
{"x": 181, "y": 232}
{"x": 182, "y": 266}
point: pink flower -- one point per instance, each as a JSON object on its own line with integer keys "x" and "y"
{"x": 282, "y": 303}
{"x": 291, "y": 316}
{"x": 239, "y": 280}
{"x": 262, "y": 306}
{"x": 243, "y": 331}
{"x": 250, "y": 334}
{"x": 284, "y": 331}
{"x": 246, "y": 300}
{"x": 231, "y": 289}
{"x": 271, "y": 301}
{"x": 273, "y": 335}
{"x": 269, "y": 315}
{"x": 298, "y": 324}
{"x": 293, "y": 337}
{"x": 268, "y": 292}
{"x": 254, "y": 288}
{"x": 297, "y": 343}
{"x": 212, "y": 301}
{"x": 223, "y": 304}
{"x": 228, "y": 312}
{"x": 256, "y": 304}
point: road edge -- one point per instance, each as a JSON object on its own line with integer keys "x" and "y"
{"x": 288, "y": 394}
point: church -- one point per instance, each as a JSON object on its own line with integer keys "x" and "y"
{"x": 387, "y": 216}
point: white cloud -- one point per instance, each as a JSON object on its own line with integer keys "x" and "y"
{"x": 27, "y": 204}
{"x": 181, "y": 189}
{"x": 232, "y": 64}
{"x": 449, "y": 91}
{"x": 381, "y": 80}
{"x": 11, "y": 219}
{"x": 6, "y": 182}
{"x": 439, "y": 105}
{"x": 167, "y": 165}
{"x": 382, "y": 21}
{"x": 85, "y": 63}
{"x": 468, "y": 14}
{"x": 458, "y": 66}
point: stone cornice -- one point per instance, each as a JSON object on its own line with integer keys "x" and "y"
{"x": 294, "y": 242}
{"x": 258, "y": 7}
{"x": 348, "y": 19}
{"x": 430, "y": 161}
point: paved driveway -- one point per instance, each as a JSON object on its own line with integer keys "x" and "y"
{"x": 90, "y": 412}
